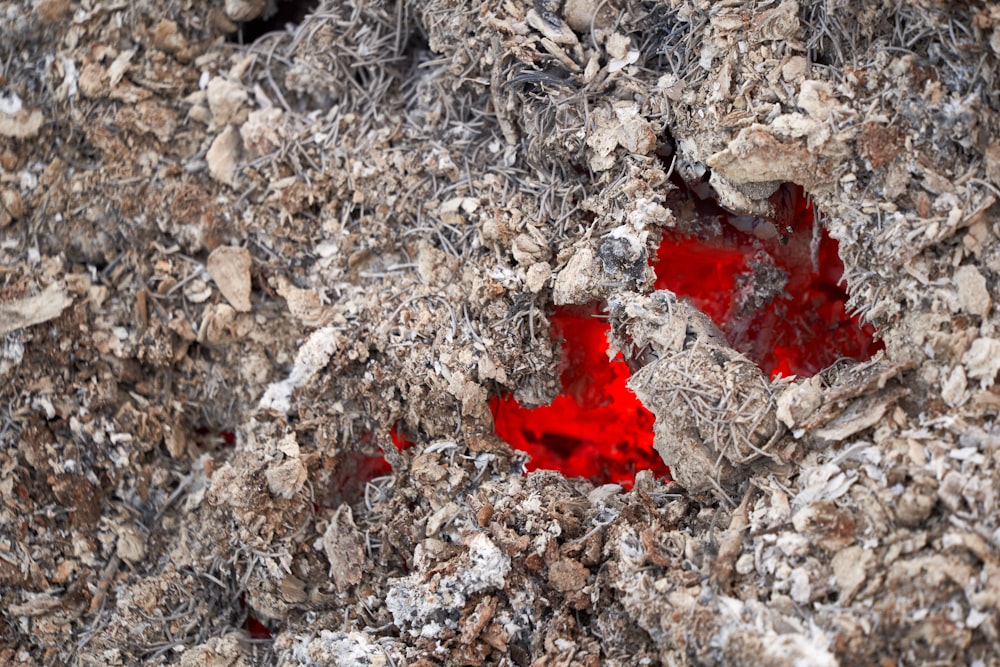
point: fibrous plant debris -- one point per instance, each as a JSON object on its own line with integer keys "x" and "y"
{"x": 364, "y": 221}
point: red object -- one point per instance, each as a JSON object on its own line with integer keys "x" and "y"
{"x": 255, "y": 628}
{"x": 796, "y": 328}
{"x": 596, "y": 428}
{"x": 399, "y": 438}
{"x": 779, "y": 300}
{"x": 344, "y": 477}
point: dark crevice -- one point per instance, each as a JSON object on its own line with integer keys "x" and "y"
{"x": 277, "y": 15}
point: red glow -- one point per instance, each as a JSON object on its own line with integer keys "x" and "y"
{"x": 804, "y": 326}
{"x": 596, "y": 428}
{"x": 256, "y": 629}
{"x": 342, "y": 478}
{"x": 399, "y": 438}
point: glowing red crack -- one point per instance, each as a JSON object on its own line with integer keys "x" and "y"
{"x": 781, "y": 303}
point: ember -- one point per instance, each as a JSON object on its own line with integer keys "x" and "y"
{"x": 778, "y": 299}
{"x": 596, "y": 428}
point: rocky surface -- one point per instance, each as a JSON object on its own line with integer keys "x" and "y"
{"x": 362, "y": 222}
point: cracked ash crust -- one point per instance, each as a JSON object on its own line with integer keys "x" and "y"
{"x": 364, "y": 221}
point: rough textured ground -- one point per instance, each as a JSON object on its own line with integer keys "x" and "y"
{"x": 364, "y": 222}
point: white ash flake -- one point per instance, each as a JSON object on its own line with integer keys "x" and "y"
{"x": 311, "y": 357}
{"x": 344, "y": 649}
{"x": 423, "y": 607}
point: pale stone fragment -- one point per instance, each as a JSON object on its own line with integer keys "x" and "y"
{"x": 263, "y": 131}
{"x": 345, "y": 548}
{"x": 197, "y": 291}
{"x": 216, "y": 323}
{"x": 11, "y": 207}
{"x": 167, "y": 37}
{"x": 579, "y": 14}
{"x": 817, "y": 99}
{"x": 850, "y": 569}
{"x": 953, "y": 389}
{"x": 602, "y": 139}
{"x": 982, "y": 360}
{"x": 800, "y": 585}
{"x": 131, "y": 545}
{"x": 32, "y": 310}
{"x": 304, "y": 304}
{"x": 574, "y": 282}
{"x": 225, "y": 99}
{"x": 119, "y": 67}
{"x": 973, "y": 295}
{"x": 538, "y": 277}
{"x": 223, "y": 155}
{"x": 617, "y": 45}
{"x": 798, "y": 401}
{"x": 229, "y": 267}
{"x": 794, "y": 69}
{"x": 634, "y": 132}
{"x": 22, "y": 125}
{"x": 244, "y": 10}
{"x": 567, "y": 575}
{"x": 93, "y": 81}
{"x": 287, "y": 478}
{"x": 528, "y": 250}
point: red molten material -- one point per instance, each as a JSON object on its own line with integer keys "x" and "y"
{"x": 801, "y": 327}
{"x": 777, "y": 299}
{"x": 596, "y": 428}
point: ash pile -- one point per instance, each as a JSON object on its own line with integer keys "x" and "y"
{"x": 228, "y": 272}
